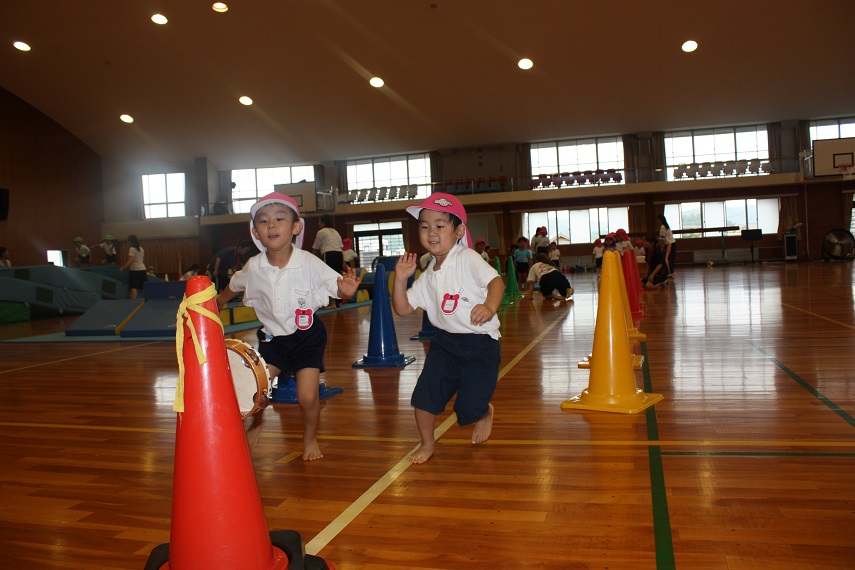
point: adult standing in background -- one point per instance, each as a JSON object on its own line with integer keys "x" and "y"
{"x": 4, "y": 257}
{"x": 669, "y": 244}
{"x": 228, "y": 261}
{"x": 328, "y": 244}
{"x": 135, "y": 266}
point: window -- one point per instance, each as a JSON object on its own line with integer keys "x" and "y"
{"x": 390, "y": 171}
{"x": 747, "y": 214}
{"x": 577, "y": 155}
{"x": 723, "y": 146}
{"x": 832, "y": 129}
{"x": 576, "y": 226}
{"x": 376, "y": 240}
{"x": 163, "y": 195}
{"x": 254, "y": 183}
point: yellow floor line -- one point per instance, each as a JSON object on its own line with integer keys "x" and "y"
{"x": 811, "y": 313}
{"x": 87, "y": 355}
{"x": 518, "y": 442}
{"x": 346, "y": 517}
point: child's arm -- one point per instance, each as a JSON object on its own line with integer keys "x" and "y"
{"x": 495, "y": 292}
{"x": 405, "y": 267}
{"x": 348, "y": 284}
{"x": 224, "y": 297}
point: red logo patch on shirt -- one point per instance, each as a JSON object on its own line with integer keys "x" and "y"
{"x": 449, "y": 303}
{"x": 303, "y": 318}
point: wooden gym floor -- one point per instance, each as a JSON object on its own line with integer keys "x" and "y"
{"x": 749, "y": 462}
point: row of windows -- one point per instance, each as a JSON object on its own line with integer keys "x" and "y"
{"x": 585, "y": 226}
{"x": 164, "y": 194}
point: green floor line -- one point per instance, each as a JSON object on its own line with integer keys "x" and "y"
{"x": 661, "y": 518}
{"x": 816, "y": 393}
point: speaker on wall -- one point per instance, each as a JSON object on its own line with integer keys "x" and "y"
{"x": 4, "y": 203}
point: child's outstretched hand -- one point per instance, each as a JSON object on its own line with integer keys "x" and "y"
{"x": 406, "y": 266}
{"x": 348, "y": 284}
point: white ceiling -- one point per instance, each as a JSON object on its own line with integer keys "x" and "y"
{"x": 601, "y": 67}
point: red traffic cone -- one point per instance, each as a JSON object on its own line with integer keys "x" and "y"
{"x": 630, "y": 275}
{"x": 217, "y": 517}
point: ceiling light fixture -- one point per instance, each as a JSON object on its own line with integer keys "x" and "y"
{"x": 159, "y": 19}
{"x": 525, "y": 63}
{"x": 220, "y": 7}
{"x": 245, "y": 101}
{"x": 376, "y": 82}
{"x": 21, "y": 46}
{"x": 689, "y": 46}
{"x": 127, "y": 119}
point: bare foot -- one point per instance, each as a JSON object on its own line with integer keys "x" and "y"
{"x": 483, "y": 427}
{"x": 312, "y": 452}
{"x": 422, "y": 454}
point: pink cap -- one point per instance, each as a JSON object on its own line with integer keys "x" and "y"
{"x": 275, "y": 198}
{"x": 347, "y": 243}
{"x": 442, "y": 202}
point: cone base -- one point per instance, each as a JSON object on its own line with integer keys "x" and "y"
{"x": 287, "y": 394}
{"x": 619, "y": 404}
{"x": 398, "y": 361}
{"x": 635, "y": 335}
{"x": 637, "y": 361}
{"x": 287, "y": 547}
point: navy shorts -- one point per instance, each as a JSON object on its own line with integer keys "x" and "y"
{"x": 522, "y": 267}
{"x": 554, "y": 281}
{"x": 465, "y": 364}
{"x": 294, "y": 352}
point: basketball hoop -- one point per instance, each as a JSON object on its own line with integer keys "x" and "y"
{"x": 847, "y": 171}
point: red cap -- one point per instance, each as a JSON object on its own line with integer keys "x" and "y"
{"x": 480, "y": 240}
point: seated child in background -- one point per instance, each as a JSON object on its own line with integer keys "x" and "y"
{"x": 554, "y": 255}
{"x": 657, "y": 275}
{"x": 553, "y": 284}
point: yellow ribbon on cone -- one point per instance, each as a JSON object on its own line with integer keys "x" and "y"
{"x": 192, "y": 303}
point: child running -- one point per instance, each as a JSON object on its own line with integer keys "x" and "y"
{"x": 286, "y": 286}
{"x": 461, "y": 295}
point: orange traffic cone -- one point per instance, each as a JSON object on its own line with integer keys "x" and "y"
{"x": 611, "y": 387}
{"x": 217, "y": 516}
{"x": 633, "y": 333}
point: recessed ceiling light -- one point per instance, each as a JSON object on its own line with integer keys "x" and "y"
{"x": 220, "y": 7}
{"x": 159, "y": 19}
{"x": 245, "y": 101}
{"x": 376, "y": 82}
{"x": 690, "y": 46}
{"x": 21, "y": 46}
{"x": 525, "y": 63}
{"x": 127, "y": 119}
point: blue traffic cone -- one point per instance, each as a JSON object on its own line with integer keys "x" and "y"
{"x": 285, "y": 391}
{"x": 382, "y": 342}
{"x": 428, "y": 330}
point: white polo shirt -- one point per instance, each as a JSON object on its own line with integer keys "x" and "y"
{"x": 449, "y": 294}
{"x": 286, "y": 299}
{"x": 327, "y": 240}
